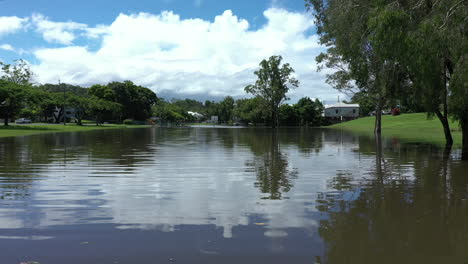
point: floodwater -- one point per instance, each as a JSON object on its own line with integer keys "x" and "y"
{"x": 230, "y": 195}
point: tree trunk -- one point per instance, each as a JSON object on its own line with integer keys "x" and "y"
{"x": 378, "y": 117}
{"x": 445, "y": 124}
{"x": 274, "y": 117}
{"x": 6, "y": 119}
{"x": 444, "y": 117}
{"x": 464, "y": 126}
{"x": 378, "y": 157}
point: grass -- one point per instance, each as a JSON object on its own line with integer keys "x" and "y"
{"x": 26, "y": 130}
{"x": 413, "y": 128}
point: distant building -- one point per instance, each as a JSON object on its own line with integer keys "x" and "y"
{"x": 214, "y": 119}
{"x": 341, "y": 111}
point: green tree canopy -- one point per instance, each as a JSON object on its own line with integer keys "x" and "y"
{"x": 273, "y": 83}
{"x": 136, "y": 101}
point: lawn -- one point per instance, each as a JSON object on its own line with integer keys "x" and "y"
{"x": 408, "y": 127}
{"x": 25, "y": 130}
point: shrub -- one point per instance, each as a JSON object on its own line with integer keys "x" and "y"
{"x": 128, "y": 122}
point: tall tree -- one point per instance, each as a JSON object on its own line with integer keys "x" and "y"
{"x": 13, "y": 97}
{"x": 273, "y": 83}
{"x": 390, "y": 46}
{"x": 365, "y": 59}
{"x": 14, "y": 88}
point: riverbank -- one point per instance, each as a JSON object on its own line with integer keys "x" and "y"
{"x": 26, "y": 130}
{"x": 411, "y": 128}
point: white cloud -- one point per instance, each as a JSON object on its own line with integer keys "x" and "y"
{"x": 7, "y": 47}
{"x": 56, "y": 32}
{"x": 11, "y": 24}
{"x": 185, "y": 57}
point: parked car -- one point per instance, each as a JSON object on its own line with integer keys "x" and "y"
{"x": 23, "y": 121}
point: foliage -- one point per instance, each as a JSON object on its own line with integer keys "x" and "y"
{"x": 136, "y": 101}
{"x": 273, "y": 83}
{"x": 190, "y": 105}
{"x": 168, "y": 112}
{"x": 128, "y": 122}
{"x": 289, "y": 115}
{"x": 18, "y": 73}
{"x": 251, "y": 111}
{"x": 13, "y": 98}
{"x": 310, "y": 112}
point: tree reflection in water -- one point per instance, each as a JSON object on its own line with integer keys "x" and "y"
{"x": 274, "y": 176}
{"x": 390, "y": 218}
{"x": 274, "y": 173}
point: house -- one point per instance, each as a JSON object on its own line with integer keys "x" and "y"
{"x": 341, "y": 112}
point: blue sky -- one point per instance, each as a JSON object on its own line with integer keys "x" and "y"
{"x": 179, "y": 48}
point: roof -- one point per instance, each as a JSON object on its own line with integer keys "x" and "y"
{"x": 341, "y": 105}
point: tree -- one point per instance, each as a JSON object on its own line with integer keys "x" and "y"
{"x": 364, "y": 56}
{"x": 288, "y": 115}
{"x": 389, "y": 47}
{"x": 273, "y": 83}
{"x": 13, "y": 98}
{"x": 136, "y": 100}
{"x": 168, "y": 112}
{"x": 98, "y": 107}
{"x": 310, "y": 112}
{"x": 251, "y": 110}
{"x": 366, "y": 104}
{"x": 226, "y": 108}
{"x": 14, "y": 88}
{"x": 18, "y": 73}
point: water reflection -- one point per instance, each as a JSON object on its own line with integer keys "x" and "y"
{"x": 274, "y": 174}
{"x": 316, "y": 195}
{"x": 413, "y": 209}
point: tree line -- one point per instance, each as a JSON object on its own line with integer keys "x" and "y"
{"x": 393, "y": 51}
{"x": 121, "y": 102}
{"x": 246, "y": 111}
{"x": 114, "y": 102}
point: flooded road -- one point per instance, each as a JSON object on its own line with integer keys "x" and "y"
{"x": 230, "y": 195}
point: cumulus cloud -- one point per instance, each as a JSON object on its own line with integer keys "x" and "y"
{"x": 7, "y": 47}
{"x": 56, "y": 32}
{"x": 182, "y": 57}
{"x": 11, "y": 24}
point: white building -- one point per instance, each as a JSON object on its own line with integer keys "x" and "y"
{"x": 342, "y": 111}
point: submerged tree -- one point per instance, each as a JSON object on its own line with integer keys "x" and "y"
{"x": 273, "y": 83}
{"x": 364, "y": 57}
{"x": 389, "y": 49}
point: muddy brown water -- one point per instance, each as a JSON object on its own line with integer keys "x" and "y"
{"x": 230, "y": 195}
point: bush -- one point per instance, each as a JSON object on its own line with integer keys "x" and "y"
{"x": 128, "y": 122}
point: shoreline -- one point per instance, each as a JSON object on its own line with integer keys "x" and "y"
{"x": 410, "y": 128}
{"x": 16, "y": 130}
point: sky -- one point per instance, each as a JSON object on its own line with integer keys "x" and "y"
{"x": 199, "y": 49}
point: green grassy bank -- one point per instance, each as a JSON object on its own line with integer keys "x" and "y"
{"x": 408, "y": 127}
{"x": 25, "y": 130}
